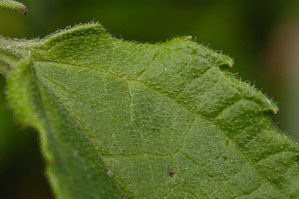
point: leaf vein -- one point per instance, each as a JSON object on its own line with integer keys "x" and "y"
{"x": 187, "y": 108}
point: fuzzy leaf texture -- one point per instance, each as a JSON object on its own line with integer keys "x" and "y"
{"x": 119, "y": 119}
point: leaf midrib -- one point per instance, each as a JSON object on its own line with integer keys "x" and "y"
{"x": 180, "y": 104}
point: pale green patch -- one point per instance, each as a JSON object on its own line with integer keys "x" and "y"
{"x": 127, "y": 120}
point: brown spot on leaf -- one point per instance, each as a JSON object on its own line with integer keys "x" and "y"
{"x": 171, "y": 174}
{"x": 25, "y": 11}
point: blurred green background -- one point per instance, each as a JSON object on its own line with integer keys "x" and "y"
{"x": 262, "y": 36}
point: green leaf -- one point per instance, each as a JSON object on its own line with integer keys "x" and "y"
{"x": 13, "y": 5}
{"x": 126, "y": 120}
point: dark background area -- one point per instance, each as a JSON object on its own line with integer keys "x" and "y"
{"x": 262, "y": 36}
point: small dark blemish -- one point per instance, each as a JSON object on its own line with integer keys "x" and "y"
{"x": 225, "y": 158}
{"x": 171, "y": 174}
{"x": 25, "y": 11}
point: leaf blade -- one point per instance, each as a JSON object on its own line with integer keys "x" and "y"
{"x": 154, "y": 110}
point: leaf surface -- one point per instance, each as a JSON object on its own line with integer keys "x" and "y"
{"x": 126, "y": 120}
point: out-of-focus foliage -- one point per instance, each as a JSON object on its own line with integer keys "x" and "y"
{"x": 249, "y": 31}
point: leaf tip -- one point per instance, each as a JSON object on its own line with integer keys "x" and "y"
{"x": 226, "y": 63}
{"x": 272, "y": 108}
{"x": 24, "y": 10}
{"x": 14, "y": 5}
